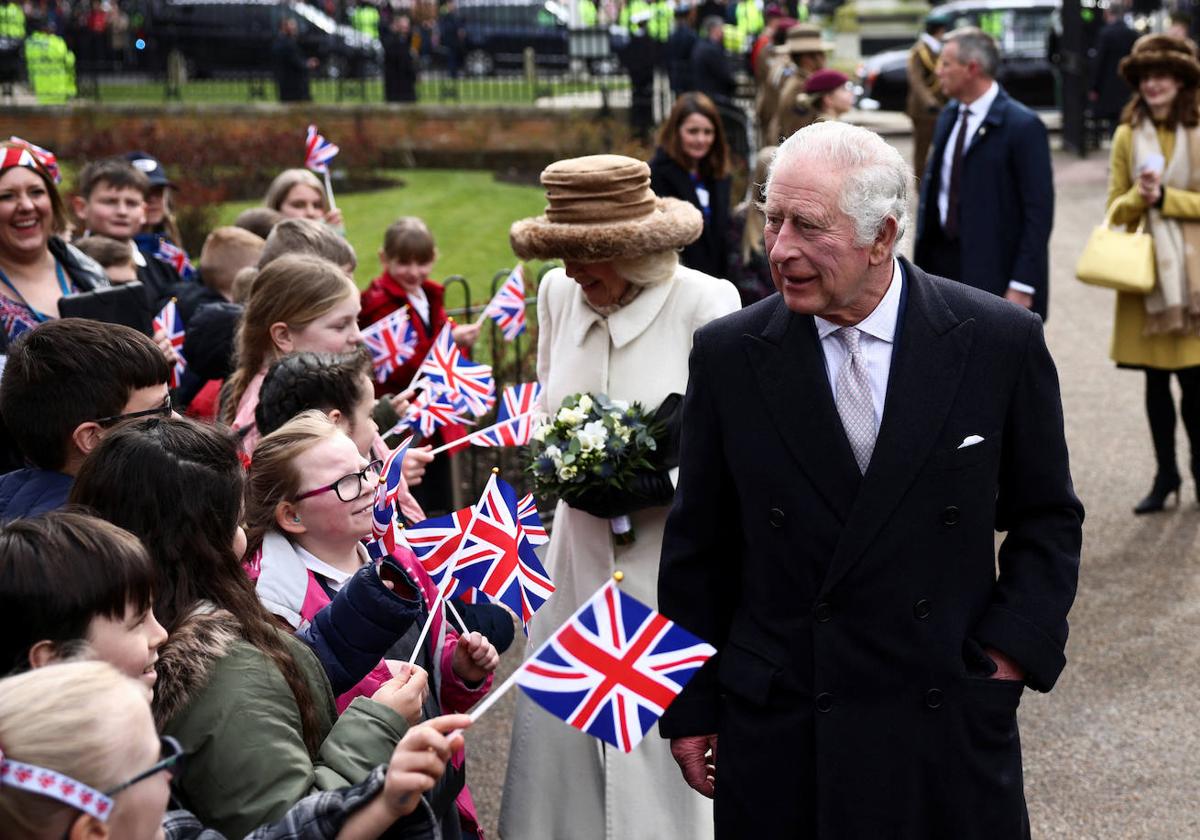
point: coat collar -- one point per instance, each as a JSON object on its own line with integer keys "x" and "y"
{"x": 624, "y": 325}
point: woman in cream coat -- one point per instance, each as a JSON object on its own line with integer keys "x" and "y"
{"x": 617, "y": 319}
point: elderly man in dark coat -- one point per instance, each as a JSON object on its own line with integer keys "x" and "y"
{"x": 987, "y": 196}
{"x": 849, "y": 449}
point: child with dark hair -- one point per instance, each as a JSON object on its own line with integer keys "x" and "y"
{"x": 113, "y": 256}
{"x": 251, "y": 704}
{"x": 111, "y": 201}
{"x": 64, "y": 385}
{"x": 70, "y": 585}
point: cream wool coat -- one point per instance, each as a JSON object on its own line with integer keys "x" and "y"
{"x": 561, "y": 783}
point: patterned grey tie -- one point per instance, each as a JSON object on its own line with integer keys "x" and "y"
{"x": 853, "y": 399}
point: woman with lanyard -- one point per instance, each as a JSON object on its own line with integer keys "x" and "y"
{"x": 692, "y": 164}
{"x": 37, "y": 267}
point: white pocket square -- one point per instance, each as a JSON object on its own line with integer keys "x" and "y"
{"x": 970, "y": 440}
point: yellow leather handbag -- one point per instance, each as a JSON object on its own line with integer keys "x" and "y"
{"x": 1114, "y": 258}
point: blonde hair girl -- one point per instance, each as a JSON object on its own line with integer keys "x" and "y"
{"x": 299, "y": 194}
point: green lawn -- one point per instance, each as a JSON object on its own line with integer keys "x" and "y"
{"x": 507, "y": 90}
{"x": 469, "y": 213}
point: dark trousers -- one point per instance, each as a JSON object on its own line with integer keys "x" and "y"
{"x": 1160, "y": 411}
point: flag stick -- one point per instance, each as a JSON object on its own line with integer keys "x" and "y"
{"x": 446, "y": 578}
{"x": 495, "y": 694}
{"x": 454, "y": 612}
{"x": 329, "y": 189}
{"x": 464, "y": 440}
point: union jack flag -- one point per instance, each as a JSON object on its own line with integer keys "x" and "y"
{"x": 318, "y": 151}
{"x": 613, "y": 668}
{"x": 514, "y": 421}
{"x": 174, "y": 256}
{"x": 507, "y": 308}
{"x": 531, "y": 523}
{"x": 445, "y": 366}
{"x": 497, "y": 559}
{"x": 45, "y": 157}
{"x": 435, "y": 407}
{"x": 436, "y": 541}
{"x": 383, "y": 515}
{"x": 169, "y": 322}
{"x": 392, "y": 341}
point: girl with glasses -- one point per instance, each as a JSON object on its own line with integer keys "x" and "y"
{"x": 308, "y": 508}
{"x": 80, "y": 758}
{"x": 253, "y": 703}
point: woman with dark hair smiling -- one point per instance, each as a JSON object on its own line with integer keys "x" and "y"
{"x": 692, "y": 164}
{"x": 250, "y": 703}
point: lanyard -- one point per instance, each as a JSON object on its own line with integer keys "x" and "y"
{"x": 63, "y": 287}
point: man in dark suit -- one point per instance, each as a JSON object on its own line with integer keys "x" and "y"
{"x": 1109, "y": 92}
{"x": 849, "y": 449}
{"x": 710, "y": 71}
{"x": 987, "y": 194}
{"x": 291, "y": 67}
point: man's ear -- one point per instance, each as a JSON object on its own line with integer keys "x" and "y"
{"x": 281, "y": 336}
{"x": 43, "y": 653}
{"x": 86, "y": 437}
{"x": 885, "y": 241}
{"x": 288, "y": 519}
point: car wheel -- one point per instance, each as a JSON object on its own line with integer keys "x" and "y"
{"x": 479, "y": 63}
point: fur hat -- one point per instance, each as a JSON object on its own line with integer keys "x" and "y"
{"x": 1161, "y": 52}
{"x": 803, "y": 38}
{"x": 602, "y": 208}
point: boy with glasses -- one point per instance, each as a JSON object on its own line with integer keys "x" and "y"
{"x": 64, "y": 385}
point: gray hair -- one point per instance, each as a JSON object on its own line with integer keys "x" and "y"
{"x": 710, "y": 23}
{"x": 647, "y": 269}
{"x": 878, "y": 180}
{"x": 976, "y": 45}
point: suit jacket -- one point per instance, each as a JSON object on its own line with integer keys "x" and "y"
{"x": 1006, "y": 200}
{"x": 710, "y": 72}
{"x": 850, "y": 611}
{"x": 709, "y": 253}
{"x": 1114, "y": 42}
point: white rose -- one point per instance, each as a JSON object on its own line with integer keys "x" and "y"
{"x": 539, "y": 432}
{"x": 569, "y": 417}
{"x": 567, "y": 473}
{"x": 592, "y": 436}
{"x": 585, "y": 403}
{"x": 555, "y": 455}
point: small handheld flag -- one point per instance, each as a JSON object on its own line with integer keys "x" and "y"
{"x": 318, "y": 151}
{"x": 435, "y": 407}
{"x": 169, "y": 322}
{"x": 507, "y": 308}
{"x": 392, "y": 341}
{"x": 445, "y": 366}
{"x": 174, "y": 256}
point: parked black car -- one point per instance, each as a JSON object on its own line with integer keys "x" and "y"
{"x": 219, "y": 37}
{"x": 1023, "y": 29}
{"x": 498, "y": 33}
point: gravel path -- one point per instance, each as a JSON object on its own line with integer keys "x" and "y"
{"x": 1114, "y": 752}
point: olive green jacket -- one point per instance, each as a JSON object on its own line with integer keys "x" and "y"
{"x": 231, "y": 709}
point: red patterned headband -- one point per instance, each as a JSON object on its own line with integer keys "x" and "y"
{"x": 31, "y": 156}
{"x": 50, "y": 783}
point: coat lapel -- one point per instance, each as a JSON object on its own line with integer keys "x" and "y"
{"x": 991, "y": 123}
{"x": 927, "y": 369}
{"x": 790, "y": 369}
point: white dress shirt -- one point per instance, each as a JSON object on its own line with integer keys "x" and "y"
{"x": 878, "y": 336}
{"x": 420, "y": 304}
{"x": 978, "y": 112}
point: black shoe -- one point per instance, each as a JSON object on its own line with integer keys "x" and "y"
{"x": 1164, "y": 486}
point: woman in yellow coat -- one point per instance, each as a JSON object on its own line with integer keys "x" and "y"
{"x": 1155, "y": 173}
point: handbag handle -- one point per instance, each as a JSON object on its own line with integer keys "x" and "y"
{"x": 1112, "y": 211}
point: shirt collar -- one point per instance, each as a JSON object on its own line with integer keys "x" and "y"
{"x": 983, "y": 104}
{"x": 139, "y": 259}
{"x": 319, "y": 567}
{"x": 881, "y": 323}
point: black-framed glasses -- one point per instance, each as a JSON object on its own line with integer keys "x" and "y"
{"x": 349, "y": 487}
{"x": 171, "y": 760}
{"x": 163, "y": 410}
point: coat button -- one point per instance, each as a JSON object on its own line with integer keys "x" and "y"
{"x": 775, "y": 517}
{"x": 824, "y": 702}
{"x": 950, "y": 516}
{"x": 822, "y": 612}
{"x": 934, "y": 698}
{"x": 922, "y": 609}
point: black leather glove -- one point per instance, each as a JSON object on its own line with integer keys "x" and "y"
{"x": 649, "y": 488}
{"x": 666, "y": 424}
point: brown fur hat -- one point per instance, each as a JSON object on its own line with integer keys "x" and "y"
{"x": 602, "y": 208}
{"x": 1161, "y": 52}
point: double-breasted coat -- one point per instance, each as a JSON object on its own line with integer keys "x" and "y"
{"x": 1006, "y": 200}
{"x": 849, "y": 692}
{"x": 563, "y": 784}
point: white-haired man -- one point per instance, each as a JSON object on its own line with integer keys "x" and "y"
{"x": 850, "y": 446}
